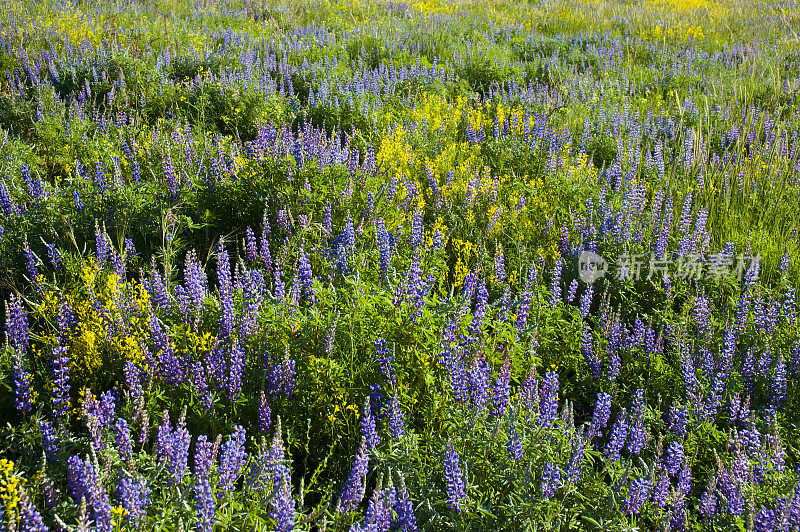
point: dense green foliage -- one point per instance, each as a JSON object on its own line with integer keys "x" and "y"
{"x": 322, "y": 265}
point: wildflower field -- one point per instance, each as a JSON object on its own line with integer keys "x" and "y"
{"x": 430, "y": 265}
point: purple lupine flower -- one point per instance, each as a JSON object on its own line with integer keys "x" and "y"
{"x": 384, "y": 249}
{"x": 200, "y": 386}
{"x": 100, "y": 177}
{"x": 502, "y": 390}
{"x": 731, "y": 487}
{"x": 513, "y": 445}
{"x": 500, "y": 265}
{"x": 794, "y": 359}
{"x": 31, "y": 262}
{"x": 283, "y": 506}
{"x": 673, "y": 459}
{"x": 144, "y": 429}
{"x": 195, "y": 284}
{"x": 782, "y": 511}
{"x": 177, "y": 461}
{"x": 789, "y": 307}
{"x": 785, "y": 261}
{"x": 573, "y": 290}
{"x": 49, "y": 438}
{"x": 777, "y": 456}
{"x": 437, "y": 240}
{"x": 306, "y": 276}
{"x": 122, "y": 437}
{"x": 619, "y": 433}
{"x": 77, "y": 201}
{"x": 636, "y": 439}
{"x": 765, "y": 520}
{"x": 284, "y": 221}
{"x": 30, "y": 520}
{"x": 281, "y": 376}
{"x": 349, "y": 233}
{"x": 101, "y": 245}
{"x": 416, "y": 229}
{"x": 522, "y": 311}
{"x": 353, "y": 489}
{"x": 264, "y": 414}
{"x": 661, "y": 490}
{"x": 17, "y": 329}
{"x": 708, "y": 500}
{"x": 327, "y": 219}
{"x": 688, "y": 372}
{"x": 203, "y": 493}
{"x": 530, "y": 391}
{"x": 232, "y": 459}
{"x": 551, "y": 480}
{"x": 469, "y": 285}
{"x": 555, "y": 284}
{"x": 158, "y": 290}
{"x": 106, "y": 408}
{"x": 778, "y": 384}
{"x": 587, "y": 350}
{"x": 250, "y": 246}
{"x": 134, "y": 497}
{"x": 549, "y": 399}
{"x": 479, "y": 379}
{"x": 572, "y": 472}
{"x": 164, "y": 438}
{"x": 396, "y": 424}
{"x": 235, "y": 371}
{"x": 702, "y": 315}
{"x": 379, "y": 510}
{"x": 385, "y": 360}
{"x": 54, "y": 255}
{"x": 129, "y": 248}
{"x": 170, "y": 365}
{"x": 563, "y": 244}
{"x": 685, "y": 479}
{"x": 95, "y": 418}
{"x": 602, "y": 412}
{"x": 66, "y": 322}
{"x": 33, "y": 184}
{"x": 84, "y": 484}
{"x": 677, "y": 420}
{"x": 454, "y": 478}
{"x": 638, "y": 494}
{"x": 481, "y": 299}
{"x": 369, "y": 432}
{"x": 794, "y": 507}
{"x": 170, "y": 177}
{"x": 23, "y": 398}
{"x": 330, "y": 338}
{"x": 225, "y": 291}
{"x": 406, "y": 522}
{"x": 6, "y": 202}
{"x": 586, "y": 301}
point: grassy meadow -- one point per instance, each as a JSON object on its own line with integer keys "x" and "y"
{"x": 397, "y": 266}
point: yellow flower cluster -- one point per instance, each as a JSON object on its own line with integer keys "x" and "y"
{"x": 10, "y": 484}
{"x": 109, "y": 327}
{"x": 680, "y": 5}
{"x": 680, "y": 31}
{"x": 464, "y": 252}
{"x": 395, "y": 153}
